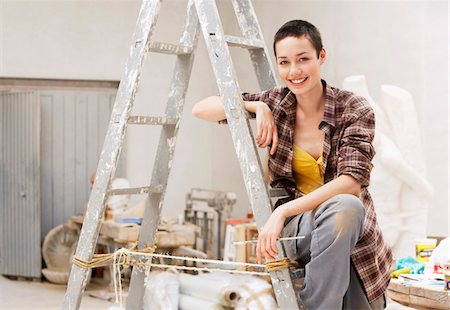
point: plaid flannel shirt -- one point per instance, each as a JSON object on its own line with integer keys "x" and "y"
{"x": 349, "y": 126}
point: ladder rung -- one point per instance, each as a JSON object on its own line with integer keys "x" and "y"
{"x": 152, "y": 120}
{"x": 277, "y": 192}
{"x": 244, "y": 42}
{"x": 169, "y": 48}
{"x": 137, "y": 190}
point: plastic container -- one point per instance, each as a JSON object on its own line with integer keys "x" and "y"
{"x": 447, "y": 282}
{"x": 424, "y": 248}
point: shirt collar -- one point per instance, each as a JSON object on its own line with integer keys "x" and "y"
{"x": 329, "y": 104}
{"x": 288, "y": 104}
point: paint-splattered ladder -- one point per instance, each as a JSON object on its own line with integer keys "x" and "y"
{"x": 201, "y": 13}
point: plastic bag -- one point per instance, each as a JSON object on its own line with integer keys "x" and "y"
{"x": 412, "y": 263}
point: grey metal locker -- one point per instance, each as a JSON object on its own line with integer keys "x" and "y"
{"x": 20, "y": 231}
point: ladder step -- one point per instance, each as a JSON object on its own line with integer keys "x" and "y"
{"x": 137, "y": 190}
{"x": 244, "y": 42}
{"x": 152, "y": 120}
{"x": 169, "y": 48}
{"x": 277, "y": 192}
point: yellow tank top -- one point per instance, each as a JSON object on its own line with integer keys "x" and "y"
{"x": 308, "y": 172}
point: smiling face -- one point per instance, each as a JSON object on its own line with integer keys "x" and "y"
{"x": 298, "y": 65}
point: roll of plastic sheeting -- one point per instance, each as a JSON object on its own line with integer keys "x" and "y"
{"x": 254, "y": 292}
{"x": 161, "y": 291}
{"x": 215, "y": 291}
{"x": 187, "y": 302}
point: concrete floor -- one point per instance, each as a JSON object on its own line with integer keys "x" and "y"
{"x": 17, "y": 294}
{"x": 21, "y": 294}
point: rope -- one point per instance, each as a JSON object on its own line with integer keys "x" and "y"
{"x": 100, "y": 260}
{"x": 124, "y": 257}
{"x": 280, "y": 263}
{"x": 117, "y": 276}
{"x": 206, "y": 269}
{"x": 97, "y": 260}
{"x": 121, "y": 257}
{"x": 200, "y": 260}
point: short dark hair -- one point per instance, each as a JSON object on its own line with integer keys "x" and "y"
{"x": 298, "y": 28}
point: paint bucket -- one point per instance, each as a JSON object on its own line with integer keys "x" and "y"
{"x": 447, "y": 282}
{"x": 446, "y": 271}
{"x": 424, "y": 248}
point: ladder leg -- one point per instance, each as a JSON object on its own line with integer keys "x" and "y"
{"x": 110, "y": 152}
{"x": 242, "y": 137}
{"x": 264, "y": 70}
{"x": 250, "y": 28}
{"x": 165, "y": 152}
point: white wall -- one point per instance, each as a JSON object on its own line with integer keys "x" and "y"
{"x": 403, "y": 43}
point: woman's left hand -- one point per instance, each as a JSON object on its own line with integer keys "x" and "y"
{"x": 268, "y": 236}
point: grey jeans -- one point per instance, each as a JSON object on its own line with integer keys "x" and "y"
{"x": 331, "y": 232}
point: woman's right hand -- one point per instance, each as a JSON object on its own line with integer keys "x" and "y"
{"x": 267, "y": 131}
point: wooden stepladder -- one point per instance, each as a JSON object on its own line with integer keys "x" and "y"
{"x": 201, "y": 14}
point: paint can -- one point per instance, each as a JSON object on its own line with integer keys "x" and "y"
{"x": 446, "y": 271}
{"x": 424, "y": 248}
{"x": 447, "y": 282}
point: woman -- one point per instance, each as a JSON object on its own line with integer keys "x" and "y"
{"x": 320, "y": 145}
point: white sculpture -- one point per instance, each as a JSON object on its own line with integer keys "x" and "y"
{"x": 398, "y": 186}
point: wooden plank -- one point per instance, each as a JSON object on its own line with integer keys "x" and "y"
{"x": 435, "y": 296}
{"x": 419, "y": 296}
{"x": 251, "y": 233}
{"x": 398, "y": 297}
{"x": 239, "y": 235}
{"x": 430, "y": 303}
{"x": 397, "y": 286}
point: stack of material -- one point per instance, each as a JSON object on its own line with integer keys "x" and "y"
{"x": 120, "y": 232}
{"x": 168, "y": 236}
{"x": 419, "y": 296}
{"x": 175, "y": 235}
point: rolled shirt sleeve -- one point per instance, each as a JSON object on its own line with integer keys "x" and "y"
{"x": 355, "y": 151}
{"x": 261, "y": 96}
